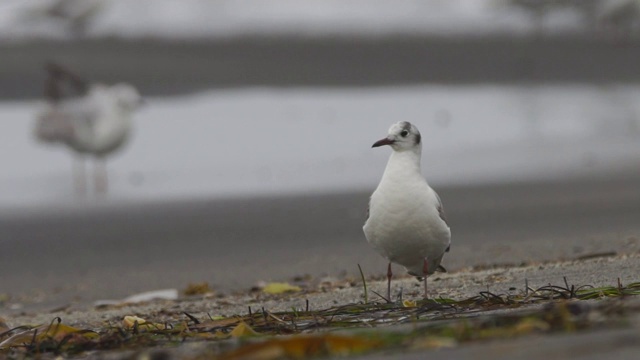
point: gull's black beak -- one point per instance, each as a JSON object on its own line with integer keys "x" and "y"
{"x": 385, "y": 141}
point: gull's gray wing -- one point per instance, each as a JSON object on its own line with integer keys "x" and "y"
{"x": 443, "y": 216}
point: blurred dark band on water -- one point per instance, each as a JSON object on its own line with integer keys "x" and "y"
{"x": 165, "y": 67}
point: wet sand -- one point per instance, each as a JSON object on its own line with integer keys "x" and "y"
{"x": 84, "y": 253}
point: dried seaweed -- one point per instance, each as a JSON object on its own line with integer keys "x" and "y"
{"x": 439, "y": 322}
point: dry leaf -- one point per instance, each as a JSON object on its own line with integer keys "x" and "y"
{"x": 280, "y": 288}
{"x": 197, "y": 289}
{"x": 130, "y": 322}
{"x": 409, "y": 303}
{"x": 243, "y": 330}
{"x": 299, "y": 347}
{"x": 53, "y": 331}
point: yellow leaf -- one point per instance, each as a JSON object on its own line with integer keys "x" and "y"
{"x": 129, "y": 322}
{"x": 243, "y": 330}
{"x": 299, "y": 347}
{"x": 409, "y": 303}
{"x": 59, "y": 331}
{"x": 197, "y": 289}
{"x": 279, "y": 288}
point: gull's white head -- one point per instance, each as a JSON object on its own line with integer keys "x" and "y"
{"x": 402, "y": 136}
{"x": 126, "y": 96}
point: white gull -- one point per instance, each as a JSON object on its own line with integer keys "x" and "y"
{"x": 95, "y": 122}
{"x": 406, "y": 222}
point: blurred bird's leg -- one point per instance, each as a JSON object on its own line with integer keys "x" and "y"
{"x": 79, "y": 176}
{"x": 425, "y": 271}
{"x": 389, "y": 274}
{"x": 100, "y": 176}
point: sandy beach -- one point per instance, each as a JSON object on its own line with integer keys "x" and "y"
{"x": 54, "y": 257}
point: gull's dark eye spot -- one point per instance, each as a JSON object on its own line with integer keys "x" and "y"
{"x": 404, "y": 133}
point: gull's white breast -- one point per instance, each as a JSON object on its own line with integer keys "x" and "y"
{"x": 404, "y": 224}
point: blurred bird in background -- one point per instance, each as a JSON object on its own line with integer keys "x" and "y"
{"x": 90, "y": 119}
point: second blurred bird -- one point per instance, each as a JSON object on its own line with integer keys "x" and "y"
{"x": 91, "y": 119}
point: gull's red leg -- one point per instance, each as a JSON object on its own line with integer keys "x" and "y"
{"x": 425, "y": 271}
{"x": 389, "y": 274}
